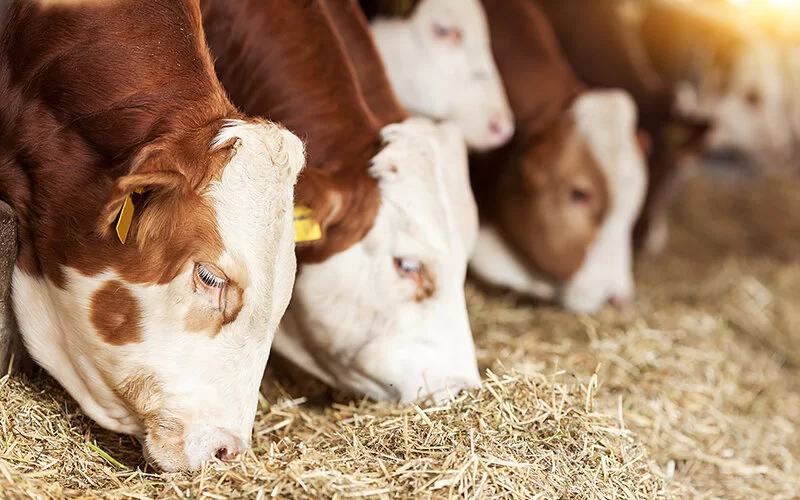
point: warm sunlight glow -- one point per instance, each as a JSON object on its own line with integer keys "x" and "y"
{"x": 773, "y": 4}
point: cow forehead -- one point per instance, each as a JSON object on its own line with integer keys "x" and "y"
{"x": 465, "y": 13}
{"x": 418, "y": 197}
{"x": 607, "y": 120}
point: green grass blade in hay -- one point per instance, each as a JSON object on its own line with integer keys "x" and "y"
{"x": 108, "y": 458}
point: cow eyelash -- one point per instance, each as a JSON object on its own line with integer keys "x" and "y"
{"x": 210, "y": 279}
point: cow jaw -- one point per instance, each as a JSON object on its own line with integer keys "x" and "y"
{"x": 392, "y": 329}
{"x": 178, "y": 372}
{"x": 440, "y": 64}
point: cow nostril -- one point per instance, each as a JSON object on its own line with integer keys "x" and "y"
{"x": 224, "y": 454}
{"x": 496, "y": 127}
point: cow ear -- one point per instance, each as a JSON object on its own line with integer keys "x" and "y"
{"x": 132, "y": 194}
{"x": 316, "y": 192}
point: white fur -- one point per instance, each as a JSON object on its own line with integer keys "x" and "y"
{"x": 209, "y": 384}
{"x": 607, "y": 119}
{"x": 444, "y": 81}
{"x": 353, "y": 321}
{"x": 761, "y": 132}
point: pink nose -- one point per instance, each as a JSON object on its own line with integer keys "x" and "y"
{"x": 620, "y": 302}
{"x": 212, "y": 443}
{"x": 500, "y": 131}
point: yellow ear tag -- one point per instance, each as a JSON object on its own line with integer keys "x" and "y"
{"x": 125, "y": 216}
{"x": 305, "y": 227}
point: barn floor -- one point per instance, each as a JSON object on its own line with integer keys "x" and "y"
{"x": 694, "y": 394}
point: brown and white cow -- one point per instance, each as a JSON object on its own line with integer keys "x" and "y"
{"x": 601, "y": 41}
{"x": 156, "y": 246}
{"x": 728, "y": 73}
{"x": 559, "y": 203}
{"x": 378, "y": 306}
{"x": 440, "y": 64}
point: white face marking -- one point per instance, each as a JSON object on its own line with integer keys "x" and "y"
{"x": 607, "y": 120}
{"x": 441, "y": 66}
{"x": 208, "y": 384}
{"x": 749, "y": 115}
{"x": 368, "y": 334}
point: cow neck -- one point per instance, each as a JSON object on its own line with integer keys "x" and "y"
{"x": 284, "y": 61}
{"x": 354, "y": 34}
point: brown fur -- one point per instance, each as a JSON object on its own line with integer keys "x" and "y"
{"x": 89, "y": 116}
{"x": 353, "y": 31}
{"x": 524, "y": 189}
{"x": 606, "y": 51}
{"x": 283, "y": 60}
{"x": 142, "y": 393}
{"x": 116, "y": 314}
{"x": 211, "y": 321}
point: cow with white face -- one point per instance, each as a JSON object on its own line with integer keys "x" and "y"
{"x": 439, "y": 61}
{"x": 395, "y": 325}
{"x": 156, "y": 252}
{"x": 747, "y": 102}
{"x": 378, "y": 306}
{"x": 559, "y": 203}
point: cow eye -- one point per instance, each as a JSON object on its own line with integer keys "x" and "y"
{"x": 407, "y": 267}
{"x": 578, "y": 195}
{"x": 753, "y": 98}
{"x": 447, "y": 33}
{"x": 209, "y": 276}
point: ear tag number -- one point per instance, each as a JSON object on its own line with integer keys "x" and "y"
{"x": 125, "y": 216}
{"x": 305, "y": 227}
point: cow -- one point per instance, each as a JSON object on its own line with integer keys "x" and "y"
{"x": 156, "y": 243}
{"x": 558, "y": 204}
{"x": 378, "y": 306}
{"x": 440, "y": 64}
{"x": 600, "y": 40}
{"x": 727, "y": 73}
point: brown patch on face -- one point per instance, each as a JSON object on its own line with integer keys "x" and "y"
{"x": 234, "y": 300}
{"x": 551, "y": 202}
{"x": 116, "y": 314}
{"x": 426, "y": 286}
{"x": 142, "y": 393}
{"x": 204, "y": 318}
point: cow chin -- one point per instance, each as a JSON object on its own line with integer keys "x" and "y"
{"x": 430, "y": 357}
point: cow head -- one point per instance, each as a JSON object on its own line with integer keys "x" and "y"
{"x": 562, "y": 219}
{"x": 440, "y": 64}
{"x": 387, "y": 316}
{"x": 746, "y": 98}
{"x": 167, "y": 335}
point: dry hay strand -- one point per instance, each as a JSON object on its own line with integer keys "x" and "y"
{"x": 691, "y": 394}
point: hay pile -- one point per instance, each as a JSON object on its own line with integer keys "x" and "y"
{"x": 695, "y": 393}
